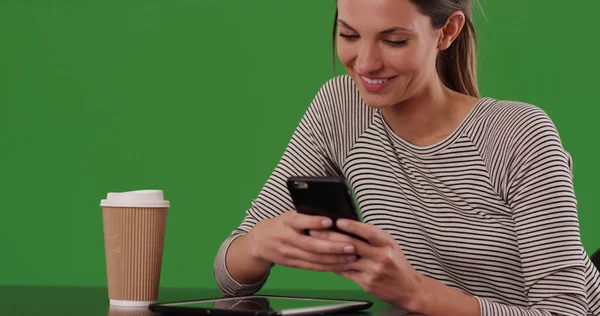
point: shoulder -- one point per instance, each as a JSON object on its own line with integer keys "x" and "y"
{"x": 516, "y": 121}
{"x": 515, "y": 131}
{"x": 527, "y": 131}
{"x": 339, "y": 107}
{"x": 339, "y": 86}
{"x": 339, "y": 95}
{"x": 340, "y": 115}
{"x": 514, "y": 113}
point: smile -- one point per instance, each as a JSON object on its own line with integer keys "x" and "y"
{"x": 374, "y": 81}
{"x": 375, "y": 84}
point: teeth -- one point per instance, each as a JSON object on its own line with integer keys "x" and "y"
{"x": 373, "y": 81}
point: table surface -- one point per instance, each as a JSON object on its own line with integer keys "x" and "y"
{"x": 92, "y": 301}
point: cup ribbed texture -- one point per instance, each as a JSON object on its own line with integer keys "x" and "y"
{"x": 134, "y": 240}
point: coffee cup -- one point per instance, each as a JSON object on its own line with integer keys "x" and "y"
{"x": 134, "y": 232}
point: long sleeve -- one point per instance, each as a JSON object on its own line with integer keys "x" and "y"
{"x": 544, "y": 210}
{"x": 307, "y": 154}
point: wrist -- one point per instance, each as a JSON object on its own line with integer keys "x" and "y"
{"x": 253, "y": 251}
{"x": 420, "y": 295}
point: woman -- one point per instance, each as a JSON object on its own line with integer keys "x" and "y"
{"x": 468, "y": 202}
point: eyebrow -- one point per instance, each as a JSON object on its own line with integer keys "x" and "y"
{"x": 386, "y": 31}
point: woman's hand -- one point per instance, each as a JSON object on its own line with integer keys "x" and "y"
{"x": 382, "y": 269}
{"x": 281, "y": 240}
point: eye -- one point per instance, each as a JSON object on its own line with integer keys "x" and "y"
{"x": 349, "y": 38}
{"x": 396, "y": 43}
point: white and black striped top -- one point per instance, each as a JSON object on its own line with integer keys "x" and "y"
{"x": 490, "y": 210}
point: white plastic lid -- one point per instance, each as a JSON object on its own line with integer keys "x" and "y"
{"x": 140, "y": 198}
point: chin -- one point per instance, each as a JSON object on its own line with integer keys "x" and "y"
{"x": 378, "y": 101}
{"x": 376, "y": 104}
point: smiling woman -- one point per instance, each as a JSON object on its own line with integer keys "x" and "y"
{"x": 455, "y": 64}
{"x": 468, "y": 202}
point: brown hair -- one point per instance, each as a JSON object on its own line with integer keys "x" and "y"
{"x": 455, "y": 65}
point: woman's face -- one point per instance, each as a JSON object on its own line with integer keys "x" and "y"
{"x": 388, "y": 47}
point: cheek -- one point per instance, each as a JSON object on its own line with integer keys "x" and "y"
{"x": 345, "y": 53}
{"x": 407, "y": 60}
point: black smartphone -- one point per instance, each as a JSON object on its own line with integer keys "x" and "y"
{"x": 324, "y": 196}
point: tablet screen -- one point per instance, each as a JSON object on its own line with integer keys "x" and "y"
{"x": 266, "y": 303}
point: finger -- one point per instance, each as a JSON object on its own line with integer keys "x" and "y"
{"x": 355, "y": 276}
{"x": 360, "y": 265}
{"x": 301, "y": 264}
{"x": 301, "y": 222}
{"x": 321, "y": 246}
{"x": 291, "y": 252}
{"x": 326, "y": 234}
{"x": 339, "y": 237}
{"x": 375, "y": 235}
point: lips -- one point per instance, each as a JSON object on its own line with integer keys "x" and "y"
{"x": 375, "y": 84}
{"x": 373, "y": 81}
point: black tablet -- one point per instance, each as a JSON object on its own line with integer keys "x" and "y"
{"x": 261, "y": 305}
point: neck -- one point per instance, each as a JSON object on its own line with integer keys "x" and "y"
{"x": 429, "y": 116}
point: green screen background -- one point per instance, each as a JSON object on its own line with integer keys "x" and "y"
{"x": 199, "y": 98}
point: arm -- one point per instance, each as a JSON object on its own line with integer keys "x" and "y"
{"x": 237, "y": 270}
{"x": 541, "y": 196}
{"x": 233, "y": 277}
{"x": 242, "y": 265}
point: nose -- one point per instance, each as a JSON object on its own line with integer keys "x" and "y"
{"x": 368, "y": 59}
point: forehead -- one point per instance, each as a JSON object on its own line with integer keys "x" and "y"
{"x": 376, "y": 15}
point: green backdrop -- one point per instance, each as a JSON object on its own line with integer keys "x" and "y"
{"x": 199, "y": 98}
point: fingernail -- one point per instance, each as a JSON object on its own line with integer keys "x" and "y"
{"x": 326, "y": 222}
{"x": 314, "y": 233}
{"x": 348, "y": 249}
{"x": 343, "y": 223}
{"x": 351, "y": 258}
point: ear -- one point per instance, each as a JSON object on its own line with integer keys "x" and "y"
{"x": 451, "y": 30}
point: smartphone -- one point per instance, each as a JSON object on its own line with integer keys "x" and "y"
{"x": 324, "y": 196}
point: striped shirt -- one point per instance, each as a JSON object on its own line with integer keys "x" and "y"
{"x": 490, "y": 210}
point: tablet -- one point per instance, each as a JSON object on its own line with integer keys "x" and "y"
{"x": 261, "y": 305}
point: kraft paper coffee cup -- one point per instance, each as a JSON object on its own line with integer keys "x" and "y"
{"x": 134, "y": 233}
